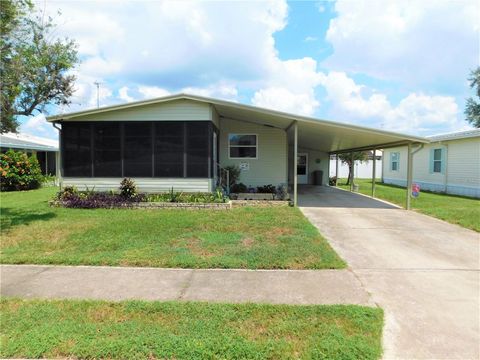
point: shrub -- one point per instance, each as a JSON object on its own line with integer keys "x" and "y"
{"x": 128, "y": 189}
{"x": 238, "y": 188}
{"x": 19, "y": 172}
{"x": 267, "y": 189}
{"x": 282, "y": 192}
{"x": 332, "y": 180}
{"x": 68, "y": 193}
{"x": 179, "y": 197}
{"x": 233, "y": 175}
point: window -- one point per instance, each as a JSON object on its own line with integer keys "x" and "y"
{"x": 107, "y": 153}
{"x": 76, "y": 142}
{"x": 394, "y": 161}
{"x": 436, "y": 160}
{"x": 169, "y": 149}
{"x": 242, "y": 146}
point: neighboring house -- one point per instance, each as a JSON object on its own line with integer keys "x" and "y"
{"x": 46, "y": 150}
{"x": 361, "y": 170}
{"x": 181, "y": 141}
{"x": 449, "y": 164}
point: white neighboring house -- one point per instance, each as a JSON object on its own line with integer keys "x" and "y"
{"x": 45, "y": 150}
{"x": 450, "y": 163}
{"x": 362, "y": 170}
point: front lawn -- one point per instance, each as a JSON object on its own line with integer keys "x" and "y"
{"x": 253, "y": 238}
{"x": 454, "y": 209}
{"x": 179, "y": 330}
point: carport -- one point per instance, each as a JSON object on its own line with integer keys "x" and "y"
{"x": 322, "y": 136}
{"x": 339, "y": 138}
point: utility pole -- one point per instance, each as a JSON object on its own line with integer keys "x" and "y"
{"x": 98, "y": 93}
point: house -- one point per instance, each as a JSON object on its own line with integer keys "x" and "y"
{"x": 184, "y": 141}
{"x": 450, "y": 163}
{"x": 46, "y": 150}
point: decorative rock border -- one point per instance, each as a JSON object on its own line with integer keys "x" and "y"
{"x": 185, "y": 206}
{"x": 161, "y": 205}
{"x": 259, "y": 203}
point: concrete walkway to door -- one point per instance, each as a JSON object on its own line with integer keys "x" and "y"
{"x": 422, "y": 271}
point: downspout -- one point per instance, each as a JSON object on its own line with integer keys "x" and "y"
{"x": 417, "y": 150}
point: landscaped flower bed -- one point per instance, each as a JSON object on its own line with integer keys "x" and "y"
{"x": 129, "y": 197}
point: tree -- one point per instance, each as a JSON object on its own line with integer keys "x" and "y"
{"x": 346, "y": 158}
{"x": 472, "y": 107}
{"x": 34, "y": 66}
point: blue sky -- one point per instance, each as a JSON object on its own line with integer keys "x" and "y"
{"x": 391, "y": 64}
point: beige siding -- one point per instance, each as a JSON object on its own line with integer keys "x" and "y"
{"x": 464, "y": 162}
{"x": 270, "y": 167}
{"x": 144, "y": 184}
{"x": 313, "y": 164}
{"x": 174, "y": 110}
{"x": 214, "y": 116}
{"x": 461, "y": 175}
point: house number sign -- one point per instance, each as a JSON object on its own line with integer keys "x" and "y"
{"x": 244, "y": 166}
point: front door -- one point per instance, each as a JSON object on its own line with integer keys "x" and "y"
{"x": 302, "y": 168}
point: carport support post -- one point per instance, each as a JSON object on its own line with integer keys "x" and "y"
{"x": 295, "y": 159}
{"x": 336, "y": 169}
{"x": 409, "y": 175}
{"x": 351, "y": 171}
{"x": 374, "y": 171}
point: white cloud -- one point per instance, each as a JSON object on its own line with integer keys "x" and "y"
{"x": 149, "y": 92}
{"x": 38, "y": 125}
{"x": 310, "y": 39}
{"x": 416, "y": 113}
{"x": 290, "y": 87}
{"x": 282, "y": 99}
{"x": 123, "y": 94}
{"x": 412, "y": 41}
{"x": 219, "y": 90}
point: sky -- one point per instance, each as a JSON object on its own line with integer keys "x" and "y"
{"x": 397, "y": 65}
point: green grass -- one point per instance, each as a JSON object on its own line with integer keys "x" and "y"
{"x": 182, "y": 330}
{"x": 253, "y": 238}
{"x": 454, "y": 209}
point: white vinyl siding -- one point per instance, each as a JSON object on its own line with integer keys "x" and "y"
{"x": 270, "y": 167}
{"x": 149, "y": 185}
{"x": 188, "y": 110}
{"x": 459, "y": 167}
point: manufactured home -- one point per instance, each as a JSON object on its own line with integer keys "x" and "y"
{"x": 184, "y": 141}
{"x": 45, "y": 150}
{"x": 450, "y": 164}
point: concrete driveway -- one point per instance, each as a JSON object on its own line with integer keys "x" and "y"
{"x": 422, "y": 271}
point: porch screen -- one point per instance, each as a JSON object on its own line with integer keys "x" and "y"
{"x": 76, "y": 156}
{"x": 176, "y": 149}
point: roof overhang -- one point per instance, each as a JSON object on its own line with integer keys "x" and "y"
{"x": 314, "y": 134}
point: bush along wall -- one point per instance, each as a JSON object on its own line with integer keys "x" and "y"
{"x": 129, "y": 197}
{"x": 19, "y": 172}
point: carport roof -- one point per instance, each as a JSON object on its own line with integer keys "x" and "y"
{"x": 313, "y": 134}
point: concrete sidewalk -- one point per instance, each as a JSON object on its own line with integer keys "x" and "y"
{"x": 123, "y": 283}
